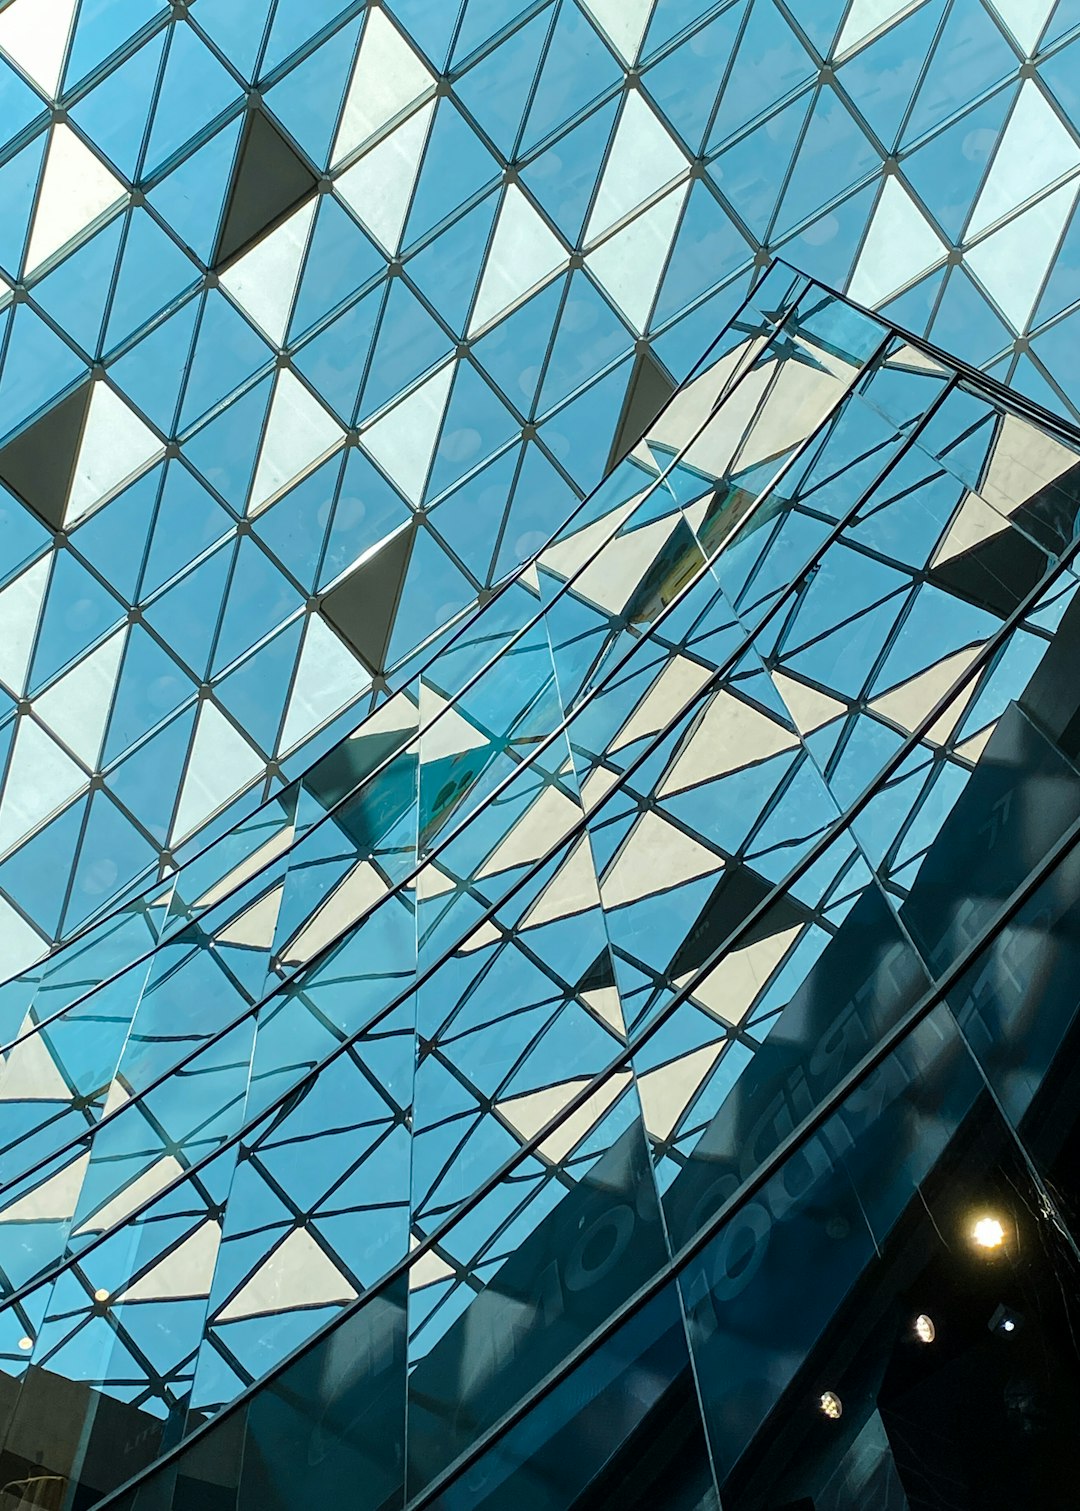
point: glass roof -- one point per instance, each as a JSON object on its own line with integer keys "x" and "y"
{"x": 317, "y": 319}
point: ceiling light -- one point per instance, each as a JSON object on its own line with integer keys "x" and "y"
{"x": 924, "y": 1328}
{"x": 988, "y": 1233}
{"x": 831, "y": 1406}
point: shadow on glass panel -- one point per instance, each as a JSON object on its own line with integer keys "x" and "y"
{"x": 624, "y": 1429}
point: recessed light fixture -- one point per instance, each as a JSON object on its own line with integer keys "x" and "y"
{"x": 1005, "y": 1320}
{"x": 988, "y": 1232}
{"x": 26, "y": 1343}
{"x": 831, "y": 1406}
{"x": 924, "y": 1328}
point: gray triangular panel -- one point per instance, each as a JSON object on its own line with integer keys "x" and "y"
{"x": 363, "y": 606}
{"x": 39, "y": 463}
{"x": 648, "y": 391}
{"x": 268, "y": 180}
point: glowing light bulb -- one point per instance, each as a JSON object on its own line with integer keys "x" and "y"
{"x": 101, "y": 1295}
{"x": 1008, "y": 1325}
{"x": 26, "y": 1343}
{"x": 924, "y": 1328}
{"x": 988, "y": 1233}
{"x": 831, "y": 1406}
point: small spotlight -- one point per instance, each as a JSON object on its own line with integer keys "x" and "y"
{"x": 831, "y": 1406}
{"x": 988, "y": 1233}
{"x": 101, "y": 1295}
{"x": 924, "y": 1328}
{"x": 26, "y": 1343}
{"x": 1005, "y": 1321}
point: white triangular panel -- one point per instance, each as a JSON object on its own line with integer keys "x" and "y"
{"x": 328, "y": 676}
{"x": 732, "y": 987}
{"x": 429, "y": 1269}
{"x": 901, "y": 245}
{"x": 299, "y": 435}
{"x": 618, "y": 570}
{"x": 54, "y": 1200}
{"x": 20, "y": 944}
{"x": 630, "y": 264}
{"x": 153, "y": 1179}
{"x": 480, "y": 938}
{"x": 444, "y": 731}
{"x": 403, "y": 439}
{"x": 524, "y": 254}
{"x": 623, "y": 22}
{"x": 356, "y": 895}
{"x": 655, "y": 857}
{"x": 76, "y": 189}
{"x": 1012, "y": 263}
{"x": 677, "y": 683}
{"x": 254, "y": 927}
{"x": 115, "y": 447}
{"x": 297, "y": 1273}
{"x": 41, "y": 778}
{"x": 869, "y": 18}
{"x": 1035, "y": 150}
{"x": 30, "y": 1074}
{"x": 388, "y": 78}
{"x": 378, "y": 188}
{"x": 809, "y": 708}
{"x": 221, "y": 764}
{"x": 908, "y": 704}
{"x": 605, "y": 1004}
{"x": 77, "y": 707}
{"x": 187, "y": 1270}
{"x": 643, "y": 160}
{"x": 250, "y": 866}
{"x": 20, "y": 610}
{"x": 543, "y": 824}
{"x": 263, "y": 282}
{"x": 974, "y": 522}
{"x": 667, "y": 1091}
{"x": 572, "y": 890}
{"x": 526, "y": 1114}
{"x": 1025, "y": 19}
{"x": 571, "y": 552}
{"x": 732, "y": 734}
{"x": 34, "y": 34}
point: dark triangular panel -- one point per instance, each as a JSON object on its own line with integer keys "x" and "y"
{"x": 362, "y": 607}
{"x": 268, "y": 180}
{"x": 998, "y": 572}
{"x": 39, "y": 463}
{"x": 648, "y": 391}
{"x": 739, "y": 893}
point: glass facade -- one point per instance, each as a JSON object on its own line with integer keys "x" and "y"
{"x": 558, "y": 1056}
{"x": 539, "y": 754}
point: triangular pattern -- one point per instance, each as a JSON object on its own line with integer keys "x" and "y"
{"x": 696, "y": 797}
{"x": 35, "y": 34}
{"x": 77, "y": 189}
{"x": 268, "y": 179}
{"x": 524, "y": 254}
{"x": 388, "y": 78}
{"x": 590, "y": 112}
{"x": 299, "y": 435}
